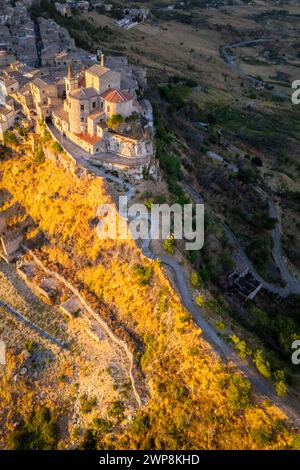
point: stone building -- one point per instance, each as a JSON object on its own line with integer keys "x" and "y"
{"x": 102, "y": 79}
{"x": 44, "y": 95}
{"x": 8, "y": 115}
{"x": 91, "y": 99}
{"x": 8, "y": 85}
{"x": 63, "y": 9}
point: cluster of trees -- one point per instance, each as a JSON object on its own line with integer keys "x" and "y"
{"x": 115, "y": 121}
{"x": 38, "y": 432}
{"x": 170, "y": 163}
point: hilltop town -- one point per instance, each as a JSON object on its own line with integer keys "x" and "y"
{"x": 125, "y": 344}
{"x": 89, "y": 103}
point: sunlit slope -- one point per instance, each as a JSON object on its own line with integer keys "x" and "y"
{"x": 194, "y": 400}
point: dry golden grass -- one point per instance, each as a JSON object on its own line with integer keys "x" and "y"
{"x": 190, "y": 406}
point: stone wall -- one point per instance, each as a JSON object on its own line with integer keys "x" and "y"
{"x": 130, "y": 148}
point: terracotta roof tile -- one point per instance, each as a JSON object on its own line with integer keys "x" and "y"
{"x": 90, "y": 139}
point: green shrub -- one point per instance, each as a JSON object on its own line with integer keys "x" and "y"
{"x": 262, "y": 365}
{"x": 144, "y": 274}
{"x": 281, "y": 388}
{"x": 92, "y": 439}
{"x": 115, "y": 121}
{"x": 199, "y": 300}
{"x": 87, "y": 404}
{"x": 10, "y": 138}
{"x": 237, "y": 391}
{"x": 57, "y": 147}
{"x": 241, "y": 346}
{"x": 196, "y": 280}
{"x": 168, "y": 245}
{"x": 117, "y": 409}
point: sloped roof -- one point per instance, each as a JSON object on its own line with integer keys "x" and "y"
{"x": 98, "y": 70}
{"x": 84, "y": 93}
{"x": 62, "y": 114}
{"x": 90, "y": 139}
{"x": 116, "y": 96}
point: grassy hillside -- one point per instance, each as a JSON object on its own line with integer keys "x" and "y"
{"x": 195, "y": 401}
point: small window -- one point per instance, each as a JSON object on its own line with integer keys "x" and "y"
{"x": 82, "y": 107}
{"x": 108, "y": 109}
{"x": 94, "y": 104}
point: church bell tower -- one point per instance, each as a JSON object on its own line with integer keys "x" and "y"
{"x": 71, "y": 80}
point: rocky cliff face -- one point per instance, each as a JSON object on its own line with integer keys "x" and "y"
{"x": 129, "y": 147}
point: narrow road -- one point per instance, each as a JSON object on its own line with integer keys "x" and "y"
{"x": 262, "y": 387}
{"x": 292, "y": 284}
{"x": 229, "y": 59}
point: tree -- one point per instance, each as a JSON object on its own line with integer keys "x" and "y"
{"x": 262, "y": 365}
{"x": 196, "y": 280}
{"x": 199, "y": 300}
{"x": 115, "y": 121}
{"x": 257, "y": 161}
{"x": 39, "y": 432}
{"x": 168, "y": 245}
{"x": 144, "y": 274}
{"x": 241, "y": 346}
{"x": 10, "y": 139}
{"x": 280, "y": 383}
